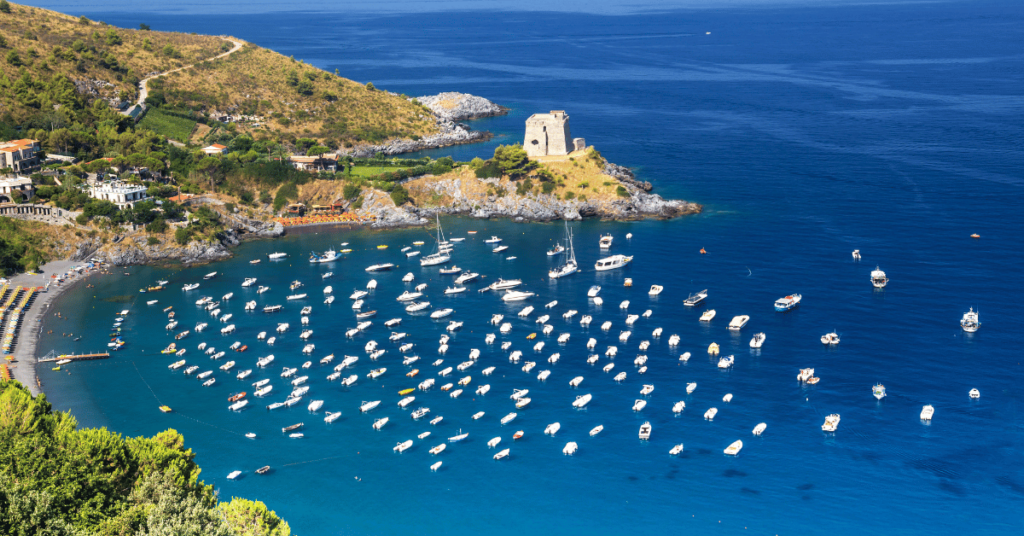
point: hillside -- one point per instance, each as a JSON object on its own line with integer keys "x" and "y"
{"x": 101, "y": 60}
{"x": 50, "y": 59}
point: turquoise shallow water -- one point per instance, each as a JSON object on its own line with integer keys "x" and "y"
{"x": 806, "y": 133}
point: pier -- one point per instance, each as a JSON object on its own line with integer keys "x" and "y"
{"x": 52, "y": 357}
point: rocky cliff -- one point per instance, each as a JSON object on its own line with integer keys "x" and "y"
{"x": 453, "y": 106}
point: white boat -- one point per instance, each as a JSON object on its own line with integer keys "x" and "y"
{"x": 328, "y": 256}
{"x": 262, "y": 289}
{"x": 331, "y": 417}
{"x": 508, "y": 418}
{"x": 487, "y": 371}
{"x": 275, "y": 256}
{"x": 466, "y": 277}
{"x": 878, "y": 278}
{"x": 608, "y": 367}
{"x": 380, "y": 267}
{"x": 760, "y": 428}
{"x": 516, "y": 295}
{"x": 372, "y": 284}
{"x": 393, "y": 322}
{"x": 710, "y": 414}
{"x": 459, "y": 437}
{"x": 570, "y": 266}
{"x": 786, "y": 303}
{"x": 483, "y": 389}
{"x": 605, "y": 242}
{"x": 526, "y": 311}
{"x": 552, "y": 428}
{"x": 151, "y": 302}
{"x": 523, "y": 402}
{"x": 327, "y": 275}
{"x": 856, "y": 254}
{"x": 726, "y": 362}
{"x": 272, "y": 308}
{"x": 248, "y": 281}
{"x": 707, "y": 315}
{"x": 315, "y": 405}
{"x": 441, "y": 313}
{"x": 456, "y": 290}
{"x": 492, "y": 240}
{"x": 678, "y": 407}
{"x": 684, "y": 357}
{"x": 502, "y": 454}
{"x": 647, "y": 389}
{"x": 594, "y": 291}
{"x": 645, "y": 431}
{"x": 830, "y": 339}
{"x": 734, "y": 448}
{"x": 831, "y": 423}
{"x": 624, "y": 305}
{"x": 499, "y": 249}
{"x": 639, "y": 404}
{"x": 878, "y": 391}
{"x": 596, "y": 430}
{"x": 570, "y": 448}
{"x": 367, "y": 406}
{"x": 676, "y": 450}
{"x": 329, "y": 300}
{"x": 585, "y": 320}
{"x": 738, "y": 322}
{"x": 379, "y": 423}
{"x": 192, "y": 286}
{"x": 412, "y": 254}
{"x": 620, "y": 376}
{"x": 757, "y": 340}
{"x": 582, "y": 401}
{"x": 408, "y": 296}
{"x": 927, "y": 412}
{"x": 439, "y": 256}
{"x": 416, "y": 306}
{"x": 613, "y": 262}
{"x": 970, "y": 322}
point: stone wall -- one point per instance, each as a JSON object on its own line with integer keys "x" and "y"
{"x": 43, "y": 213}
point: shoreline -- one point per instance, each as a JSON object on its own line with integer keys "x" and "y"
{"x": 24, "y": 358}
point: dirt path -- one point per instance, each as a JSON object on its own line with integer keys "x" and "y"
{"x": 144, "y": 84}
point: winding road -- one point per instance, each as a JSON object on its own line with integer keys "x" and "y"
{"x": 144, "y": 84}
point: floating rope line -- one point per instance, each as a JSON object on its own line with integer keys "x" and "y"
{"x": 311, "y": 461}
{"x": 147, "y": 384}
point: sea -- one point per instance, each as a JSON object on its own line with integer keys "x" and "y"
{"x": 806, "y": 130}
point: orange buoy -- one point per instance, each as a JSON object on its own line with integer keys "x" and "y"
{"x": 975, "y": 235}
{"x": 702, "y": 252}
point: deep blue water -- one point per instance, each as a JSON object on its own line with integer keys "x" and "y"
{"x": 806, "y": 131}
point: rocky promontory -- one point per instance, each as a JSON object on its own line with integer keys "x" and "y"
{"x": 448, "y": 109}
{"x": 452, "y": 106}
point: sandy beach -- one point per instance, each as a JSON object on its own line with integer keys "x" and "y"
{"x": 23, "y": 366}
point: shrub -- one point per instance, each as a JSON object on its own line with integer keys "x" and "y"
{"x": 152, "y": 241}
{"x": 82, "y": 219}
{"x": 488, "y": 170}
{"x": 570, "y": 195}
{"x": 350, "y": 191}
{"x": 230, "y": 207}
{"x": 182, "y": 236}
{"x": 358, "y": 204}
{"x": 621, "y": 192}
{"x": 246, "y": 197}
{"x": 583, "y": 198}
{"x": 399, "y": 195}
{"x": 547, "y": 187}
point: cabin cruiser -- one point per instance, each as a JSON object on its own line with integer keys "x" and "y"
{"x": 645, "y": 431}
{"x": 408, "y": 296}
{"x": 970, "y": 322}
{"x": 358, "y": 295}
{"x": 441, "y": 313}
{"x": 416, "y": 306}
{"x": 707, "y": 316}
{"x": 738, "y": 322}
{"x": 927, "y": 412}
{"x": 552, "y": 428}
{"x": 856, "y": 254}
{"x": 466, "y": 277}
{"x": 879, "y": 391}
{"x": 831, "y": 423}
{"x": 647, "y": 389}
{"x": 757, "y": 340}
{"x": 328, "y": 256}
{"x": 830, "y": 339}
{"x": 605, "y": 242}
{"x": 974, "y": 393}
{"x": 786, "y": 303}
{"x": 696, "y": 298}
{"x": 516, "y": 295}
{"x": 611, "y": 263}
{"x": 492, "y": 240}
{"x": 878, "y": 278}
{"x": 380, "y": 267}
{"x": 505, "y": 284}
{"x": 618, "y": 377}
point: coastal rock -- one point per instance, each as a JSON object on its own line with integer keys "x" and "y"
{"x": 135, "y": 250}
{"x": 452, "y": 106}
{"x": 451, "y": 133}
{"x": 625, "y": 175}
{"x": 381, "y": 210}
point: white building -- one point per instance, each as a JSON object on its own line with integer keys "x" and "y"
{"x": 121, "y": 194}
{"x": 17, "y": 184}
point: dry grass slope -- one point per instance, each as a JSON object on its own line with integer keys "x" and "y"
{"x": 48, "y": 43}
{"x": 295, "y": 98}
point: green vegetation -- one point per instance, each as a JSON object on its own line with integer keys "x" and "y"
{"x": 59, "y": 480}
{"x": 19, "y": 249}
{"x": 172, "y": 126}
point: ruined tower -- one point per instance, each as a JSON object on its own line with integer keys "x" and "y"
{"x": 548, "y": 134}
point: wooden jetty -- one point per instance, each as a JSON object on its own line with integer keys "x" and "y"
{"x": 50, "y": 358}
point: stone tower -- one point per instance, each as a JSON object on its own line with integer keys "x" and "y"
{"x": 548, "y": 134}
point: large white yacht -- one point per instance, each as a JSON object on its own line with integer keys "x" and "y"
{"x": 516, "y": 295}
{"x": 505, "y": 284}
{"x": 611, "y": 263}
{"x": 645, "y": 431}
{"x": 878, "y": 278}
{"x": 970, "y": 322}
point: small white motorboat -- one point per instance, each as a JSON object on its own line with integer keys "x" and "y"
{"x": 678, "y": 407}
{"x": 403, "y": 446}
{"x": 508, "y": 418}
{"x": 738, "y": 322}
{"x": 927, "y": 412}
{"x": 676, "y": 450}
{"x": 438, "y": 449}
{"x": 831, "y": 423}
{"x": 639, "y": 404}
{"x": 368, "y": 406}
{"x": 379, "y": 423}
{"x": 757, "y": 340}
{"x": 734, "y": 448}
{"x": 707, "y": 315}
{"x": 710, "y": 414}
{"x": 582, "y": 401}
{"x": 974, "y": 393}
{"x": 502, "y": 454}
{"x": 830, "y": 339}
{"x": 552, "y": 428}
{"x": 645, "y": 431}
{"x": 760, "y": 428}
{"x": 570, "y": 448}
{"x": 493, "y": 442}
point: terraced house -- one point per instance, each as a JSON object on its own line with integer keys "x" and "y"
{"x": 19, "y": 155}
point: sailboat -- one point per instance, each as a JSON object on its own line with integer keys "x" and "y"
{"x": 440, "y": 256}
{"x": 570, "y": 267}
